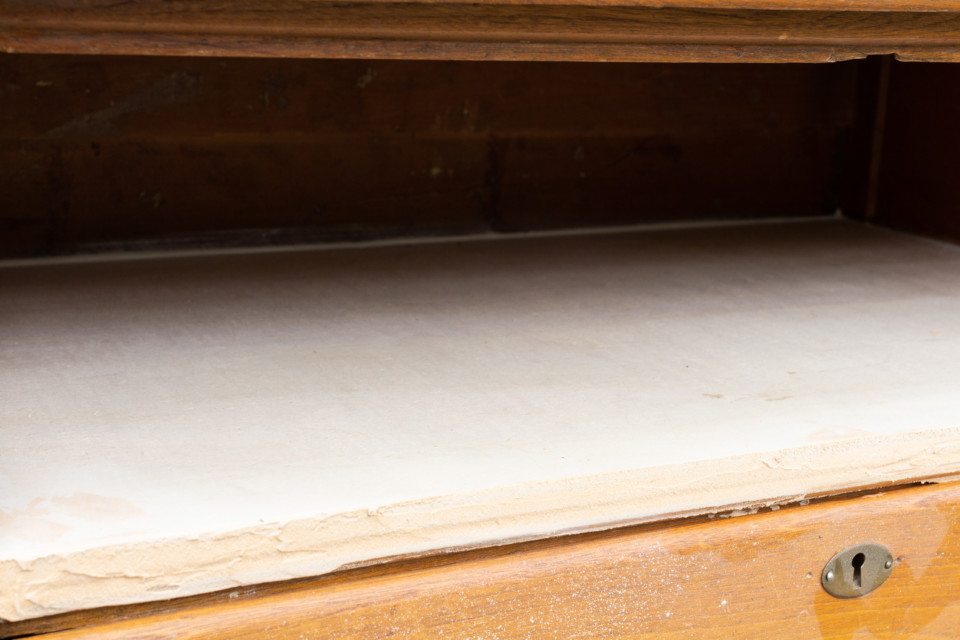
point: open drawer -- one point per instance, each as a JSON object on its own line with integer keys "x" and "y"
{"x": 299, "y": 348}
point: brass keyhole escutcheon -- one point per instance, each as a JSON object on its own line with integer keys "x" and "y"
{"x": 857, "y": 570}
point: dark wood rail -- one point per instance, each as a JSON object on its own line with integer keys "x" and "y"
{"x": 598, "y": 30}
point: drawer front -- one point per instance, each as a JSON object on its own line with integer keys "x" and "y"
{"x": 755, "y": 576}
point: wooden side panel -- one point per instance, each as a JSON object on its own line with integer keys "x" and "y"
{"x": 918, "y": 188}
{"x": 750, "y": 577}
{"x": 96, "y": 151}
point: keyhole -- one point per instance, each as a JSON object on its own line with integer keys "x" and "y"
{"x": 857, "y": 563}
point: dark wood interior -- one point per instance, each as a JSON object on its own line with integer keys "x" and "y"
{"x": 918, "y": 187}
{"x": 124, "y": 152}
{"x": 102, "y": 153}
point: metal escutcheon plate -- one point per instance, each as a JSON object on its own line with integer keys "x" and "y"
{"x": 857, "y": 570}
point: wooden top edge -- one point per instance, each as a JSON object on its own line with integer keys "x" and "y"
{"x": 725, "y": 5}
{"x": 546, "y": 30}
{"x": 219, "y": 8}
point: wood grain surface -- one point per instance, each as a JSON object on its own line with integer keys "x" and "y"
{"x": 755, "y": 576}
{"x": 752, "y": 5}
{"x": 489, "y": 31}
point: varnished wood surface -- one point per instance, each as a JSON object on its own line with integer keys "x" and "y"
{"x": 108, "y": 151}
{"x": 755, "y": 576}
{"x": 489, "y": 31}
{"x": 749, "y": 5}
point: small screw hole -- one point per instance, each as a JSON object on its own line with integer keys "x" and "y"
{"x": 857, "y": 563}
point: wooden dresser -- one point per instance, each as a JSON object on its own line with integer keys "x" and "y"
{"x": 500, "y": 319}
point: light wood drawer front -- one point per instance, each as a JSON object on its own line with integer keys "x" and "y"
{"x": 756, "y": 576}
